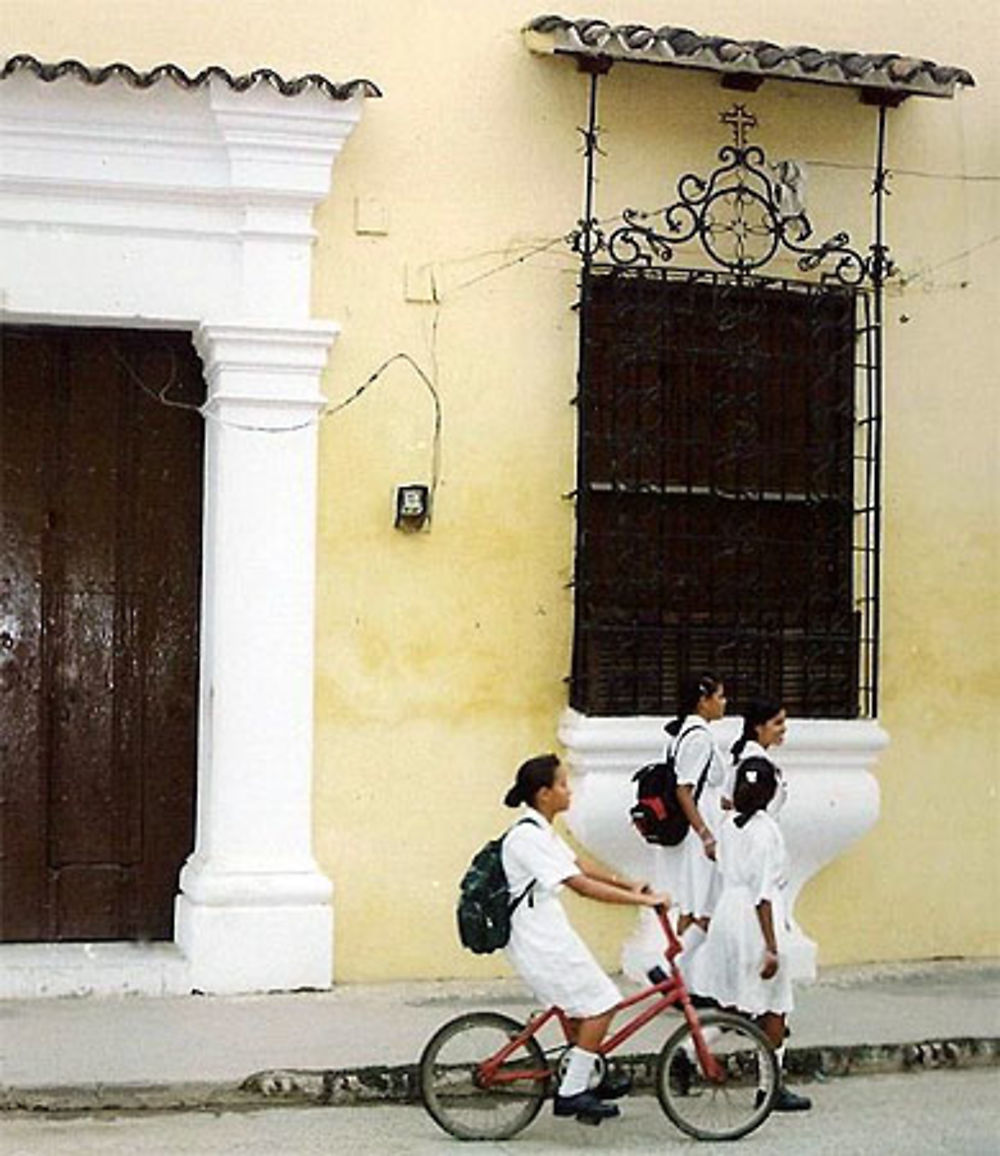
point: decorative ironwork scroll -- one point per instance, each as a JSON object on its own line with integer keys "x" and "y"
{"x": 728, "y": 498}
{"x": 742, "y": 214}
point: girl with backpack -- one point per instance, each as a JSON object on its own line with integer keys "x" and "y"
{"x": 544, "y": 949}
{"x": 764, "y": 725}
{"x": 740, "y": 964}
{"x": 701, "y": 774}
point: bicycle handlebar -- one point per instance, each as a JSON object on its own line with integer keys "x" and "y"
{"x": 673, "y": 943}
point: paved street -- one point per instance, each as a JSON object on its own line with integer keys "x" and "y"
{"x": 899, "y": 1115}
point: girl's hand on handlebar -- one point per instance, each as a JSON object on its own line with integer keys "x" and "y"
{"x": 656, "y": 899}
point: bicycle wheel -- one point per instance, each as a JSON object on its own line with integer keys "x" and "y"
{"x": 729, "y": 1102}
{"x": 454, "y": 1092}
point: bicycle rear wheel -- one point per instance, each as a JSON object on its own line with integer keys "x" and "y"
{"x": 733, "y": 1100}
{"x": 454, "y": 1092}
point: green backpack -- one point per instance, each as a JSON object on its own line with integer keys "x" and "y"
{"x": 484, "y": 904}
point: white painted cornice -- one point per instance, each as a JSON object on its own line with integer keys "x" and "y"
{"x": 211, "y": 139}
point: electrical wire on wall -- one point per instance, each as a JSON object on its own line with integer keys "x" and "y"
{"x": 161, "y": 394}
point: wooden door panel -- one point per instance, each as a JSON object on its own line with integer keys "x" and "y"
{"x": 23, "y": 436}
{"x": 100, "y": 527}
{"x": 81, "y": 638}
{"x": 87, "y": 900}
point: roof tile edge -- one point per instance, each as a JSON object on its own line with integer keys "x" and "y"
{"x": 638, "y": 43}
{"x": 146, "y": 78}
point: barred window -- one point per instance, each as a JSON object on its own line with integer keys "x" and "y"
{"x": 716, "y": 504}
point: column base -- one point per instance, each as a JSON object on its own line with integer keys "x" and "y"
{"x": 235, "y": 944}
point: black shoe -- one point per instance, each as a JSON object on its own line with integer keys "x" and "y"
{"x": 785, "y": 1101}
{"x": 614, "y": 1084}
{"x": 584, "y": 1104}
{"x": 681, "y": 1073}
{"x": 788, "y": 1101}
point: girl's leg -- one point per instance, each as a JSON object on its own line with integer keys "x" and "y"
{"x": 686, "y": 920}
{"x": 590, "y": 1031}
{"x": 586, "y": 1034}
{"x": 773, "y": 1026}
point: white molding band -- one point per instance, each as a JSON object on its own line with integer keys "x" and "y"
{"x": 193, "y": 210}
{"x": 833, "y": 797}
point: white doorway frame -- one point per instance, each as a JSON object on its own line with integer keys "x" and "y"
{"x": 192, "y": 209}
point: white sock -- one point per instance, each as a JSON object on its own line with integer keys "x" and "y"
{"x": 779, "y": 1055}
{"x": 579, "y": 1067}
{"x": 693, "y": 937}
{"x": 691, "y": 940}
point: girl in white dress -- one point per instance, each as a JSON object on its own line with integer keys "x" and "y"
{"x": 740, "y": 963}
{"x": 701, "y": 775}
{"x": 764, "y": 726}
{"x": 544, "y": 948}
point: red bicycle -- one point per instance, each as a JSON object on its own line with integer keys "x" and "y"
{"x": 484, "y": 1076}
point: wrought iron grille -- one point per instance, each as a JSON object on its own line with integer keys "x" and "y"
{"x": 728, "y": 500}
{"x": 725, "y": 470}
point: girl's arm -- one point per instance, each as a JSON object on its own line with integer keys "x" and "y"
{"x": 769, "y": 967}
{"x": 685, "y": 796}
{"x": 611, "y": 893}
{"x": 592, "y": 871}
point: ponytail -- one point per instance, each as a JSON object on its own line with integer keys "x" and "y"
{"x": 756, "y": 782}
{"x": 531, "y": 777}
{"x": 693, "y": 688}
{"x": 758, "y": 711}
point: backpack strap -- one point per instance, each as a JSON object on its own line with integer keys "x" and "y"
{"x": 531, "y": 886}
{"x": 703, "y": 777}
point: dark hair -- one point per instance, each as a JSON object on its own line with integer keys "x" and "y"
{"x": 758, "y": 711}
{"x": 530, "y": 778}
{"x": 693, "y": 688}
{"x": 756, "y": 782}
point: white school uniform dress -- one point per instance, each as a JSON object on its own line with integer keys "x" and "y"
{"x": 695, "y": 878}
{"x": 753, "y": 750}
{"x": 543, "y": 948}
{"x": 752, "y": 866}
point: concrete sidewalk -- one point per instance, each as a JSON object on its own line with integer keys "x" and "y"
{"x": 361, "y": 1042}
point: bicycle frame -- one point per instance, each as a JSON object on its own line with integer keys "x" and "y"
{"x": 671, "y": 991}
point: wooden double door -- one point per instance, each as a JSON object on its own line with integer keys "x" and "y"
{"x": 100, "y": 562}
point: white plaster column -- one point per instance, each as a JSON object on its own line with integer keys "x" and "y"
{"x": 254, "y": 911}
{"x": 833, "y": 797}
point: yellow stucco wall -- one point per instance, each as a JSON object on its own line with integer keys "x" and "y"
{"x": 441, "y": 656}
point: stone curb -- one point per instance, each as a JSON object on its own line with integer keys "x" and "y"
{"x": 398, "y": 1084}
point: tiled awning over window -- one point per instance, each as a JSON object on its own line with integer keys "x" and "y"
{"x": 136, "y": 78}
{"x": 885, "y": 76}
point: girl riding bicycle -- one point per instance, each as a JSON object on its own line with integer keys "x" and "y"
{"x": 544, "y": 948}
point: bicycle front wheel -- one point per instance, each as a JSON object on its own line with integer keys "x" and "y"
{"x": 472, "y": 1104}
{"x": 735, "y": 1095}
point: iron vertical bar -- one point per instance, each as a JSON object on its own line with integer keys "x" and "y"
{"x": 869, "y": 406}
{"x": 582, "y": 662}
{"x": 878, "y": 280}
{"x": 590, "y": 151}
